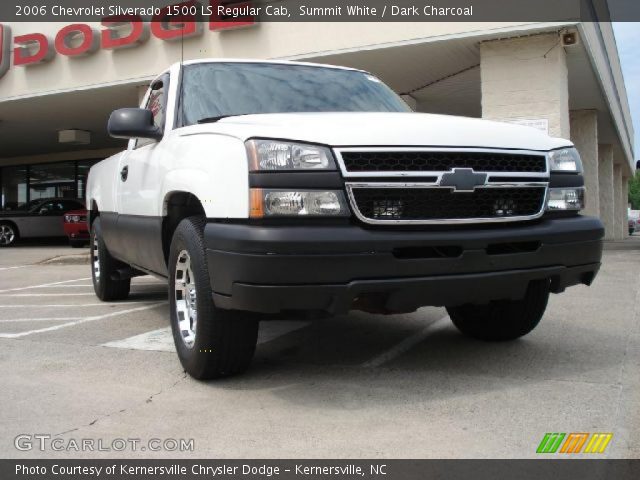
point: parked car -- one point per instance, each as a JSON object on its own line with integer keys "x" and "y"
{"x": 75, "y": 226}
{"x": 259, "y": 187}
{"x": 38, "y": 219}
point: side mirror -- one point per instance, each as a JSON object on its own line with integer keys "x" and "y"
{"x": 133, "y": 123}
{"x": 638, "y": 165}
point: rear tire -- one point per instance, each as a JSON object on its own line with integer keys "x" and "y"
{"x": 103, "y": 267}
{"x": 8, "y": 234}
{"x": 211, "y": 342}
{"x": 504, "y": 319}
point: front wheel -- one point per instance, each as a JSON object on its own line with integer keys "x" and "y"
{"x": 104, "y": 268}
{"x": 211, "y": 342}
{"x": 8, "y": 234}
{"x": 504, "y": 319}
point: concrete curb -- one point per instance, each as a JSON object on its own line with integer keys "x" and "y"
{"x": 77, "y": 259}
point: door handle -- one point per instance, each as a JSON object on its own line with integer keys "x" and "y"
{"x": 124, "y": 173}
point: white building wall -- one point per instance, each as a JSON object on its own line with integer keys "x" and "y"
{"x": 584, "y": 134}
{"x": 526, "y": 78}
{"x": 606, "y": 189}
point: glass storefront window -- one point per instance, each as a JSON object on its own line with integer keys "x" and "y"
{"x": 14, "y": 187}
{"x": 24, "y": 185}
{"x": 52, "y": 180}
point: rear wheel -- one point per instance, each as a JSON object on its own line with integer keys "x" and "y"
{"x": 211, "y": 342}
{"x": 504, "y": 319}
{"x": 8, "y": 234}
{"x": 104, "y": 268}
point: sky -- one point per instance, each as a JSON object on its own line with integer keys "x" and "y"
{"x": 628, "y": 38}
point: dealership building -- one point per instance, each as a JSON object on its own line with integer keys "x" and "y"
{"x": 59, "y": 83}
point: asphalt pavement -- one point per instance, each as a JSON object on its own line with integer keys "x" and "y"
{"x": 355, "y": 386}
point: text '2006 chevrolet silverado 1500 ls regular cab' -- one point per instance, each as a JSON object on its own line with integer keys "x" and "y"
{"x": 261, "y": 187}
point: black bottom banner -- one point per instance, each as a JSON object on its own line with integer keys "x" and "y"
{"x": 578, "y": 469}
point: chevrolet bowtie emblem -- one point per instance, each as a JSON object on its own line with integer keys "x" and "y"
{"x": 463, "y": 179}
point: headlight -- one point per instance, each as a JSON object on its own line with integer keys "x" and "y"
{"x": 565, "y": 160}
{"x": 279, "y": 155}
{"x": 566, "y": 199}
{"x": 67, "y": 218}
{"x": 297, "y": 203}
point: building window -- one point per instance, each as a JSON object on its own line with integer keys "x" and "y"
{"x": 82, "y": 173}
{"x": 52, "y": 180}
{"x": 14, "y": 187}
{"x": 24, "y": 184}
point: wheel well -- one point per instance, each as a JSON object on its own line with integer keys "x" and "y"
{"x": 13, "y": 224}
{"x": 94, "y": 212}
{"x": 177, "y": 206}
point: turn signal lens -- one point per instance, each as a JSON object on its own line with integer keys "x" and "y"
{"x": 278, "y": 155}
{"x": 298, "y": 203}
{"x": 566, "y": 199}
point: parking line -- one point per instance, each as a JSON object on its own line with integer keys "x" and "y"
{"x": 43, "y": 319}
{"x": 406, "y": 344}
{"x": 62, "y": 305}
{"x": 18, "y": 289}
{"x": 48, "y": 294}
{"x": 78, "y": 322}
{"x": 13, "y": 268}
{"x": 161, "y": 340}
{"x": 68, "y": 286}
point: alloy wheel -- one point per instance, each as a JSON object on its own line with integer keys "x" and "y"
{"x": 96, "y": 260}
{"x": 186, "y": 299}
{"x": 7, "y": 235}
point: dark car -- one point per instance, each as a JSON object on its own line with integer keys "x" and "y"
{"x": 634, "y": 224}
{"x": 41, "y": 218}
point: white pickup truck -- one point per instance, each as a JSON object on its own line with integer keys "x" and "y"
{"x": 260, "y": 187}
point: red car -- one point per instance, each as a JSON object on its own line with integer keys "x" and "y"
{"x": 76, "y": 228}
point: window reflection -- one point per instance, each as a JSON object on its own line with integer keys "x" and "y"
{"x": 14, "y": 187}
{"x": 24, "y": 186}
{"x": 215, "y": 89}
{"x": 52, "y": 180}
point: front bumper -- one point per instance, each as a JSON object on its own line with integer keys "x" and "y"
{"x": 336, "y": 268}
{"x": 76, "y": 230}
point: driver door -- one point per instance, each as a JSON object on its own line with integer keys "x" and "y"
{"x": 139, "y": 227}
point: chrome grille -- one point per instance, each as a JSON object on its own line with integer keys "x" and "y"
{"x": 437, "y": 203}
{"x": 413, "y": 185}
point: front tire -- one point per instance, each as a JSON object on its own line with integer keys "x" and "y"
{"x": 210, "y": 342}
{"x": 8, "y": 234}
{"x": 504, "y": 319}
{"x": 104, "y": 267}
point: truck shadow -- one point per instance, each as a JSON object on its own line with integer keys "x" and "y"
{"x": 326, "y": 364}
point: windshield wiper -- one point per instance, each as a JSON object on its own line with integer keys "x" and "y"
{"x": 220, "y": 117}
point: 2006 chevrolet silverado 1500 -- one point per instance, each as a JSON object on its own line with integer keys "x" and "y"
{"x": 260, "y": 187}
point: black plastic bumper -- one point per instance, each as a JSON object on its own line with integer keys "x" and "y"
{"x": 336, "y": 268}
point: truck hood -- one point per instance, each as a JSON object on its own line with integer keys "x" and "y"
{"x": 382, "y": 129}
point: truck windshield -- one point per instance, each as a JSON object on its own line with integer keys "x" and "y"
{"x": 222, "y": 89}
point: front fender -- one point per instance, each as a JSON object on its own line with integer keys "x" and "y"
{"x": 214, "y": 169}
